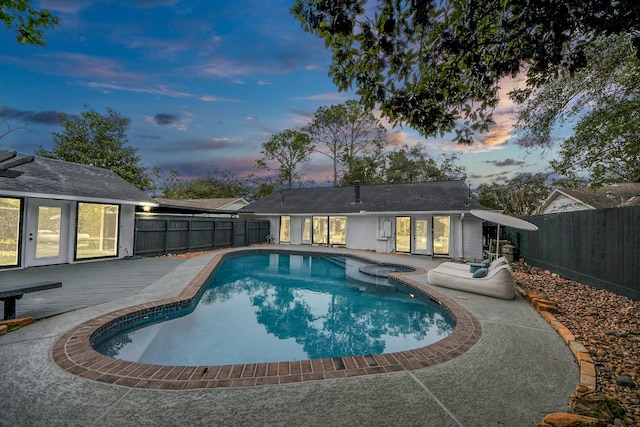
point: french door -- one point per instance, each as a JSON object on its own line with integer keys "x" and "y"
{"x": 48, "y": 233}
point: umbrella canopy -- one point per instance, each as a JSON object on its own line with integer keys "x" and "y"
{"x": 502, "y": 219}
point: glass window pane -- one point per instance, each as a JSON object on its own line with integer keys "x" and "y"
{"x": 48, "y": 237}
{"x": 9, "y": 230}
{"x": 403, "y": 234}
{"x": 306, "y": 230}
{"x": 441, "y": 235}
{"x": 97, "y": 230}
{"x": 285, "y": 229}
{"x": 338, "y": 230}
{"x": 320, "y": 230}
{"x": 422, "y": 227}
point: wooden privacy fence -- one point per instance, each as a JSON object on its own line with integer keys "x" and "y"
{"x": 599, "y": 247}
{"x": 161, "y": 235}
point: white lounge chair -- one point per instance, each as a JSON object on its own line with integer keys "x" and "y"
{"x": 467, "y": 267}
{"x": 498, "y": 282}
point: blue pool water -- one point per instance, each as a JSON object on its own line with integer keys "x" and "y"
{"x": 270, "y": 307}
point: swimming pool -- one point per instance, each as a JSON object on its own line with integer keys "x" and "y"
{"x": 74, "y": 353}
{"x": 275, "y": 307}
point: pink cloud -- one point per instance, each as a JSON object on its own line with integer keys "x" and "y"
{"x": 85, "y": 66}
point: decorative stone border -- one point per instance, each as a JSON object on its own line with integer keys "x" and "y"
{"x": 546, "y": 308}
{"x": 74, "y": 353}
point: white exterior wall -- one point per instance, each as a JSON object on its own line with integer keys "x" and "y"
{"x": 127, "y": 230}
{"x": 472, "y": 238}
{"x": 367, "y": 232}
{"x": 562, "y": 203}
{"x": 361, "y": 233}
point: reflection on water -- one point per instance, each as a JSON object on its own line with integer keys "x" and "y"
{"x": 279, "y": 307}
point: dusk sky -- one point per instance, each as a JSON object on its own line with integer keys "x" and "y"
{"x": 205, "y": 84}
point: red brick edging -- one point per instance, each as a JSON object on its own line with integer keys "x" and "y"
{"x": 73, "y": 352}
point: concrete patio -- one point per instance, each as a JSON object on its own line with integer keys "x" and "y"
{"x": 518, "y": 371}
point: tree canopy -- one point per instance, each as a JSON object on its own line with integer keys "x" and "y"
{"x": 603, "y": 99}
{"x": 291, "y": 151}
{"x": 518, "y": 196}
{"x": 345, "y": 133}
{"x": 27, "y": 22}
{"x": 98, "y": 140}
{"x": 437, "y": 65}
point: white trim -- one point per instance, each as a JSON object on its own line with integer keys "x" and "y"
{"x": 22, "y": 194}
{"x": 361, "y": 213}
{"x": 554, "y": 195}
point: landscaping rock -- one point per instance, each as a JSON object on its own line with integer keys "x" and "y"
{"x": 625, "y": 381}
{"x": 608, "y": 325}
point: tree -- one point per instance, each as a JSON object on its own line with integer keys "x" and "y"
{"x": 291, "y": 150}
{"x": 436, "y": 65}
{"x": 367, "y": 169}
{"x": 603, "y": 99}
{"x": 346, "y": 132}
{"x": 519, "y": 196}
{"x": 98, "y": 140}
{"x": 414, "y": 164}
{"x": 222, "y": 184}
{"x": 10, "y": 129}
{"x": 162, "y": 185}
{"x": 27, "y": 22}
{"x": 411, "y": 165}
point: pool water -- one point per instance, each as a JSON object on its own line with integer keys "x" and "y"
{"x": 271, "y": 307}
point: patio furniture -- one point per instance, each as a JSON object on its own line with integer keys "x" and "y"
{"x": 472, "y": 267}
{"x": 12, "y": 293}
{"x": 498, "y": 282}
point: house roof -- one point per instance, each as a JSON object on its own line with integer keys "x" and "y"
{"x": 202, "y": 205}
{"x": 609, "y": 196}
{"x": 444, "y": 196}
{"x": 50, "y": 178}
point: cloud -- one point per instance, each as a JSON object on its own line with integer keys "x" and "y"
{"x": 47, "y": 117}
{"x": 174, "y": 121}
{"x": 333, "y": 96}
{"x": 86, "y": 66}
{"x": 224, "y": 139}
{"x": 400, "y": 139}
{"x": 165, "y": 119}
{"x": 306, "y": 115}
{"x": 146, "y": 4}
{"x": 505, "y": 162}
{"x": 65, "y": 6}
{"x": 143, "y": 136}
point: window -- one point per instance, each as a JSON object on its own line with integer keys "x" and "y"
{"x": 97, "y": 231}
{"x": 320, "y": 230}
{"x": 285, "y": 229}
{"x": 441, "y": 235}
{"x": 306, "y": 230}
{"x": 403, "y": 234}
{"x": 49, "y": 238}
{"x": 337, "y": 230}
{"x": 9, "y": 231}
{"x": 330, "y": 230}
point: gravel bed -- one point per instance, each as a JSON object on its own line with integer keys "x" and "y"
{"x": 608, "y": 325}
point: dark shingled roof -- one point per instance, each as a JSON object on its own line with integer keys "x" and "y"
{"x": 609, "y": 196}
{"x": 50, "y": 178}
{"x": 442, "y": 196}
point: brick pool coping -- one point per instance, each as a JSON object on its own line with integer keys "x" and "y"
{"x": 74, "y": 353}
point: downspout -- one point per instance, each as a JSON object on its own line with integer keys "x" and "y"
{"x": 462, "y": 236}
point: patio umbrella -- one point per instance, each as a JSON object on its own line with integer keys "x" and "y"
{"x": 502, "y": 219}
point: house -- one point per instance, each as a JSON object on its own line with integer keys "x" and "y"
{"x": 583, "y": 198}
{"x": 429, "y": 218}
{"x": 56, "y": 212}
{"x": 202, "y": 207}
